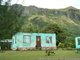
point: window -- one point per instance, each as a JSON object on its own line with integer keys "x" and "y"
{"x": 49, "y": 39}
{"x": 26, "y": 39}
{"x": 78, "y": 41}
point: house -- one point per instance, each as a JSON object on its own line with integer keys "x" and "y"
{"x": 24, "y": 41}
{"x": 77, "y": 42}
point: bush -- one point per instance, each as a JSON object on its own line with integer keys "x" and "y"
{"x": 61, "y": 45}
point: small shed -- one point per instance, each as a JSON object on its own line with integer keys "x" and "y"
{"x": 77, "y": 42}
{"x": 24, "y": 41}
{"x": 5, "y": 44}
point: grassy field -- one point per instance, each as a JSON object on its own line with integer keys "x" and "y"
{"x": 39, "y": 55}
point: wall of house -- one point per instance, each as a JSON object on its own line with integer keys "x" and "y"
{"x": 18, "y": 40}
{"x": 77, "y": 42}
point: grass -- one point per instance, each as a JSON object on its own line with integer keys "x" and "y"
{"x": 37, "y": 55}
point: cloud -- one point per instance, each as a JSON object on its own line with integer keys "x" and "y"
{"x": 76, "y": 3}
{"x": 50, "y": 3}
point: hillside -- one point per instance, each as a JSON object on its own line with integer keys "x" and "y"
{"x": 67, "y": 18}
{"x": 17, "y": 18}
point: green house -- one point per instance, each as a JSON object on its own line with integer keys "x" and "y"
{"x": 77, "y": 42}
{"x": 24, "y": 41}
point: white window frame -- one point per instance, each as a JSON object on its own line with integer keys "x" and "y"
{"x": 27, "y": 39}
{"x": 48, "y": 39}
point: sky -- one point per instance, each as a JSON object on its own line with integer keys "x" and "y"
{"x": 51, "y": 4}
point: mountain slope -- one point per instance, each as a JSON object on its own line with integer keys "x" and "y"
{"x": 68, "y": 18}
{"x": 17, "y": 18}
{"x": 31, "y": 17}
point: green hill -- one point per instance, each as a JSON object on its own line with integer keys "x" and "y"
{"x": 68, "y": 18}
{"x": 17, "y": 18}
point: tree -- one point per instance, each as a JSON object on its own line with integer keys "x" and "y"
{"x": 54, "y": 28}
{"x": 0, "y": 2}
{"x": 9, "y": 20}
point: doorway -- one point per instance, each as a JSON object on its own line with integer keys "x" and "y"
{"x": 38, "y": 41}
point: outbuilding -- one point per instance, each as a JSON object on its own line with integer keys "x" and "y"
{"x": 77, "y": 42}
{"x": 24, "y": 41}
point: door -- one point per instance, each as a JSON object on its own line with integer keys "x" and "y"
{"x": 38, "y": 41}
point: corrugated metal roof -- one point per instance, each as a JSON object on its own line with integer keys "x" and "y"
{"x": 6, "y": 40}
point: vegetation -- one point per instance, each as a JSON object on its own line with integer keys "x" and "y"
{"x": 17, "y": 18}
{"x": 39, "y": 55}
{"x": 9, "y": 21}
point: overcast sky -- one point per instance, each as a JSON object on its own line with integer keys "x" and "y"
{"x": 49, "y": 3}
